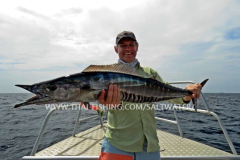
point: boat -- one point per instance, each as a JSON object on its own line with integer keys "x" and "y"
{"x": 86, "y": 145}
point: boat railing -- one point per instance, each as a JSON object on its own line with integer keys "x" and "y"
{"x": 162, "y": 158}
{"x": 78, "y": 120}
{"x": 207, "y": 111}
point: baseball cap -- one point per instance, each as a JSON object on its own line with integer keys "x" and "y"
{"x": 125, "y": 34}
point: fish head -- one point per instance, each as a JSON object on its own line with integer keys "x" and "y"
{"x": 58, "y": 91}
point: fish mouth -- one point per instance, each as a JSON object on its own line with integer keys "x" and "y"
{"x": 37, "y": 99}
{"x": 30, "y": 89}
{"x": 27, "y": 87}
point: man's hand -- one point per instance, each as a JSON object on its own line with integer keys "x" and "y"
{"x": 113, "y": 97}
{"x": 195, "y": 89}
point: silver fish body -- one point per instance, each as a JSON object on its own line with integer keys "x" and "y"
{"x": 86, "y": 87}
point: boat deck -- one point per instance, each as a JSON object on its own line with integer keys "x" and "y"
{"x": 87, "y": 143}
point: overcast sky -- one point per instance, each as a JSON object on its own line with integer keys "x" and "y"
{"x": 181, "y": 39}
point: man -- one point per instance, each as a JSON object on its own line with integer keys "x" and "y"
{"x": 131, "y": 134}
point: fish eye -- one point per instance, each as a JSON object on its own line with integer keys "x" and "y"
{"x": 52, "y": 87}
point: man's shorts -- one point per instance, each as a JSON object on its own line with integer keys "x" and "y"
{"x": 109, "y": 152}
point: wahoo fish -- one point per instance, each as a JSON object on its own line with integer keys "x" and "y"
{"x": 86, "y": 87}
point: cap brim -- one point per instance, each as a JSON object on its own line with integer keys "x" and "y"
{"x": 125, "y": 37}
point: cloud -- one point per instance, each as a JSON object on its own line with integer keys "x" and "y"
{"x": 180, "y": 39}
{"x": 32, "y": 13}
{"x": 33, "y": 45}
{"x": 73, "y": 10}
{"x": 162, "y": 26}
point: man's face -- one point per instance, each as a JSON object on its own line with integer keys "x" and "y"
{"x": 127, "y": 50}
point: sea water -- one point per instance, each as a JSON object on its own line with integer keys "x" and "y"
{"x": 20, "y": 127}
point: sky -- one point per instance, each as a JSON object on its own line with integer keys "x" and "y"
{"x": 181, "y": 39}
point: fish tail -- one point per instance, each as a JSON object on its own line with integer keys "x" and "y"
{"x": 194, "y": 100}
{"x": 204, "y": 82}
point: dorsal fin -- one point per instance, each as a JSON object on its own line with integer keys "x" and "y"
{"x": 116, "y": 68}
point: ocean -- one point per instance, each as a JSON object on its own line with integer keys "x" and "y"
{"x": 19, "y": 128}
